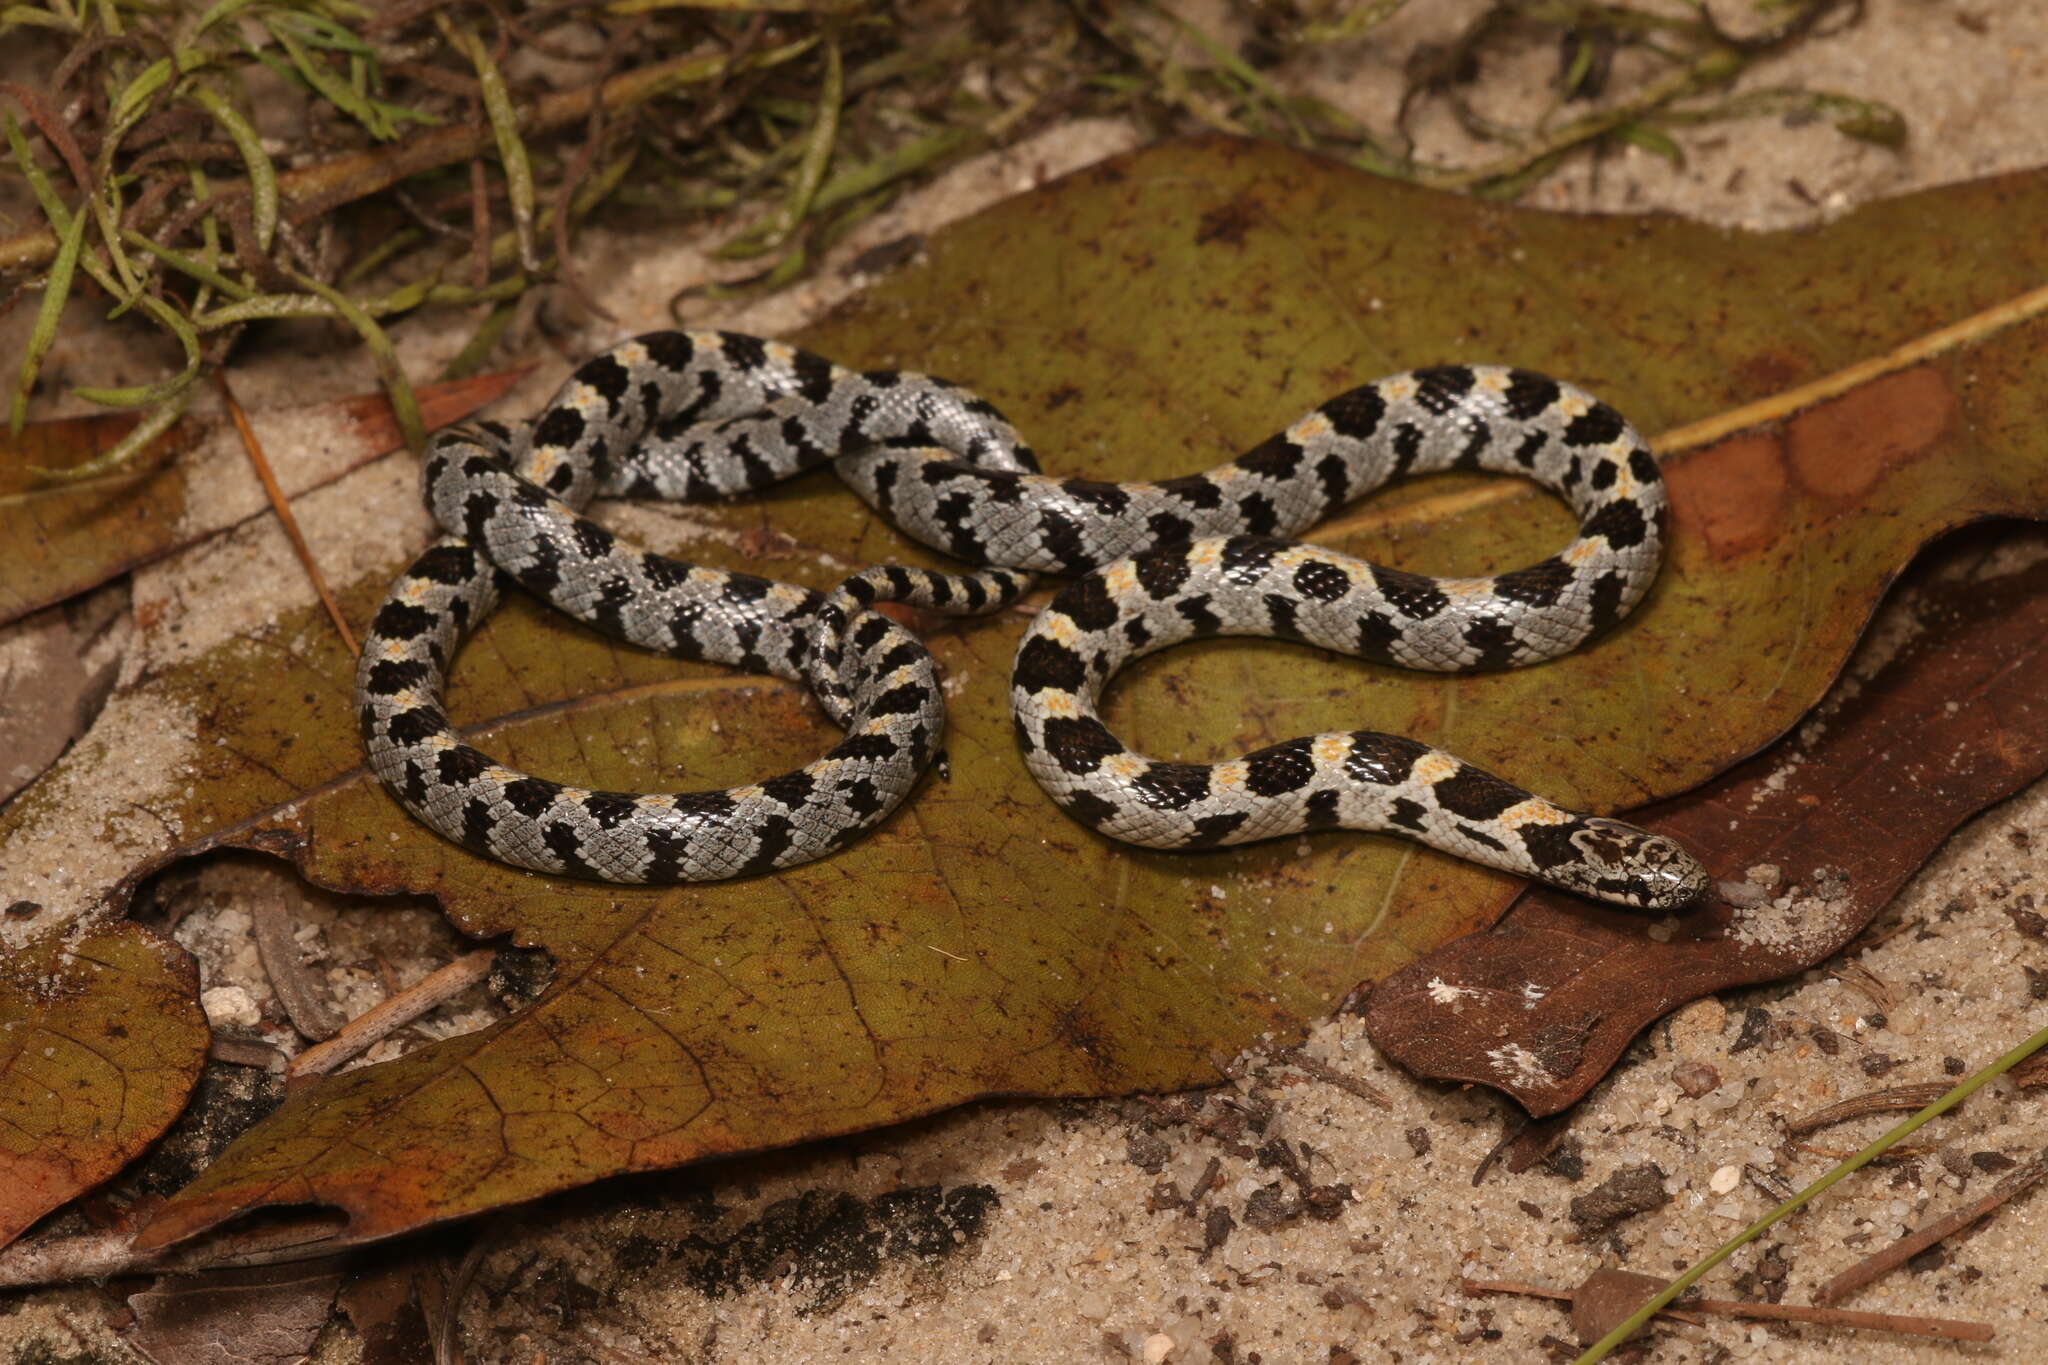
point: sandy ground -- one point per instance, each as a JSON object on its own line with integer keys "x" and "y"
{"x": 1043, "y": 1232}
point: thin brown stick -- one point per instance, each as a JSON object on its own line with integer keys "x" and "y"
{"x": 1538, "y": 1291}
{"x": 1913, "y": 1243}
{"x": 1898, "y": 1097}
{"x": 1330, "y": 1075}
{"x": 1947, "y": 1329}
{"x": 367, "y": 1028}
{"x": 283, "y": 508}
{"x": 1944, "y": 1329}
{"x": 245, "y": 1052}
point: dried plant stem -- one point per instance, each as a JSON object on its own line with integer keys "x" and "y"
{"x": 1875, "y": 1102}
{"x": 283, "y": 507}
{"x": 1944, "y": 1329}
{"x": 1913, "y": 1243}
{"x": 1330, "y": 1075}
{"x": 366, "y": 1029}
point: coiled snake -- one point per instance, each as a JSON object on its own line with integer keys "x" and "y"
{"x": 709, "y": 414}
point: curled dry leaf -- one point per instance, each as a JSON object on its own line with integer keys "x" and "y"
{"x": 1542, "y": 1004}
{"x": 101, "y": 1039}
{"x": 1141, "y": 319}
{"x": 187, "y": 485}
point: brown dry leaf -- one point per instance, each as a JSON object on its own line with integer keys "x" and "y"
{"x": 392, "y": 1303}
{"x": 265, "y": 1316}
{"x": 101, "y": 1039}
{"x": 186, "y": 486}
{"x": 43, "y": 688}
{"x": 1542, "y": 1004}
{"x": 1140, "y": 319}
{"x": 1606, "y": 1299}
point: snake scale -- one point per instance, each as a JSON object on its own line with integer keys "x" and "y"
{"x": 713, "y": 414}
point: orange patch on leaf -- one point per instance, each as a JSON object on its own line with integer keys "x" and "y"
{"x": 1842, "y": 448}
{"x": 1733, "y": 494}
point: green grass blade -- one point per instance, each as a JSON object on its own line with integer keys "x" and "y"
{"x": 262, "y": 175}
{"x": 56, "y": 290}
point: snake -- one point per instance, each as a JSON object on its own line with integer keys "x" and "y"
{"x": 708, "y": 414}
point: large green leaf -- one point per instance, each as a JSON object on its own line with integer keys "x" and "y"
{"x": 1143, "y": 318}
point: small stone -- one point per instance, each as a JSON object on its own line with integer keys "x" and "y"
{"x": 230, "y": 1007}
{"x": 1766, "y": 875}
{"x": 1992, "y": 1161}
{"x": 1725, "y": 1180}
{"x": 1695, "y": 1031}
{"x": 1742, "y": 895}
{"x": 1147, "y": 1151}
{"x": 1158, "y": 1347}
{"x": 1695, "y": 1078}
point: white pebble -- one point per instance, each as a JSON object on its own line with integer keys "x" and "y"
{"x": 1158, "y": 1347}
{"x": 230, "y": 1007}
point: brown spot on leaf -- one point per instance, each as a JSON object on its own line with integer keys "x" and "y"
{"x": 1733, "y": 494}
{"x": 1842, "y": 448}
{"x": 1226, "y": 224}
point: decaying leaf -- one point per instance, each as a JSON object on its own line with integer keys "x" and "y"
{"x": 1836, "y": 819}
{"x": 1141, "y": 319}
{"x": 64, "y": 538}
{"x": 42, "y": 691}
{"x": 265, "y": 1316}
{"x": 100, "y": 1040}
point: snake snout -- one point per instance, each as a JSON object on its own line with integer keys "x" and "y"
{"x": 1628, "y": 866}
{"x": 1673, "y": 880}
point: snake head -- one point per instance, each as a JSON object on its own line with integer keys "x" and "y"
{"x": 1623, "y": 865}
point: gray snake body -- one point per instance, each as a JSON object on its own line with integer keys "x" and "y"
{"x": 693, "y": 415}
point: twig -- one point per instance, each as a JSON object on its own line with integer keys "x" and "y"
{"x": 1945, "y": 1329}
{"x": 1330, "y": 1075}
{"x": 1913, "y": 1243}
{"x": 367, "y": 1028}
{"x": 107, "y": 1253}
{"x": 245, "y": 1052}
{"x": 290, "y": 523}
{"x": 1898, "y": 1097}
